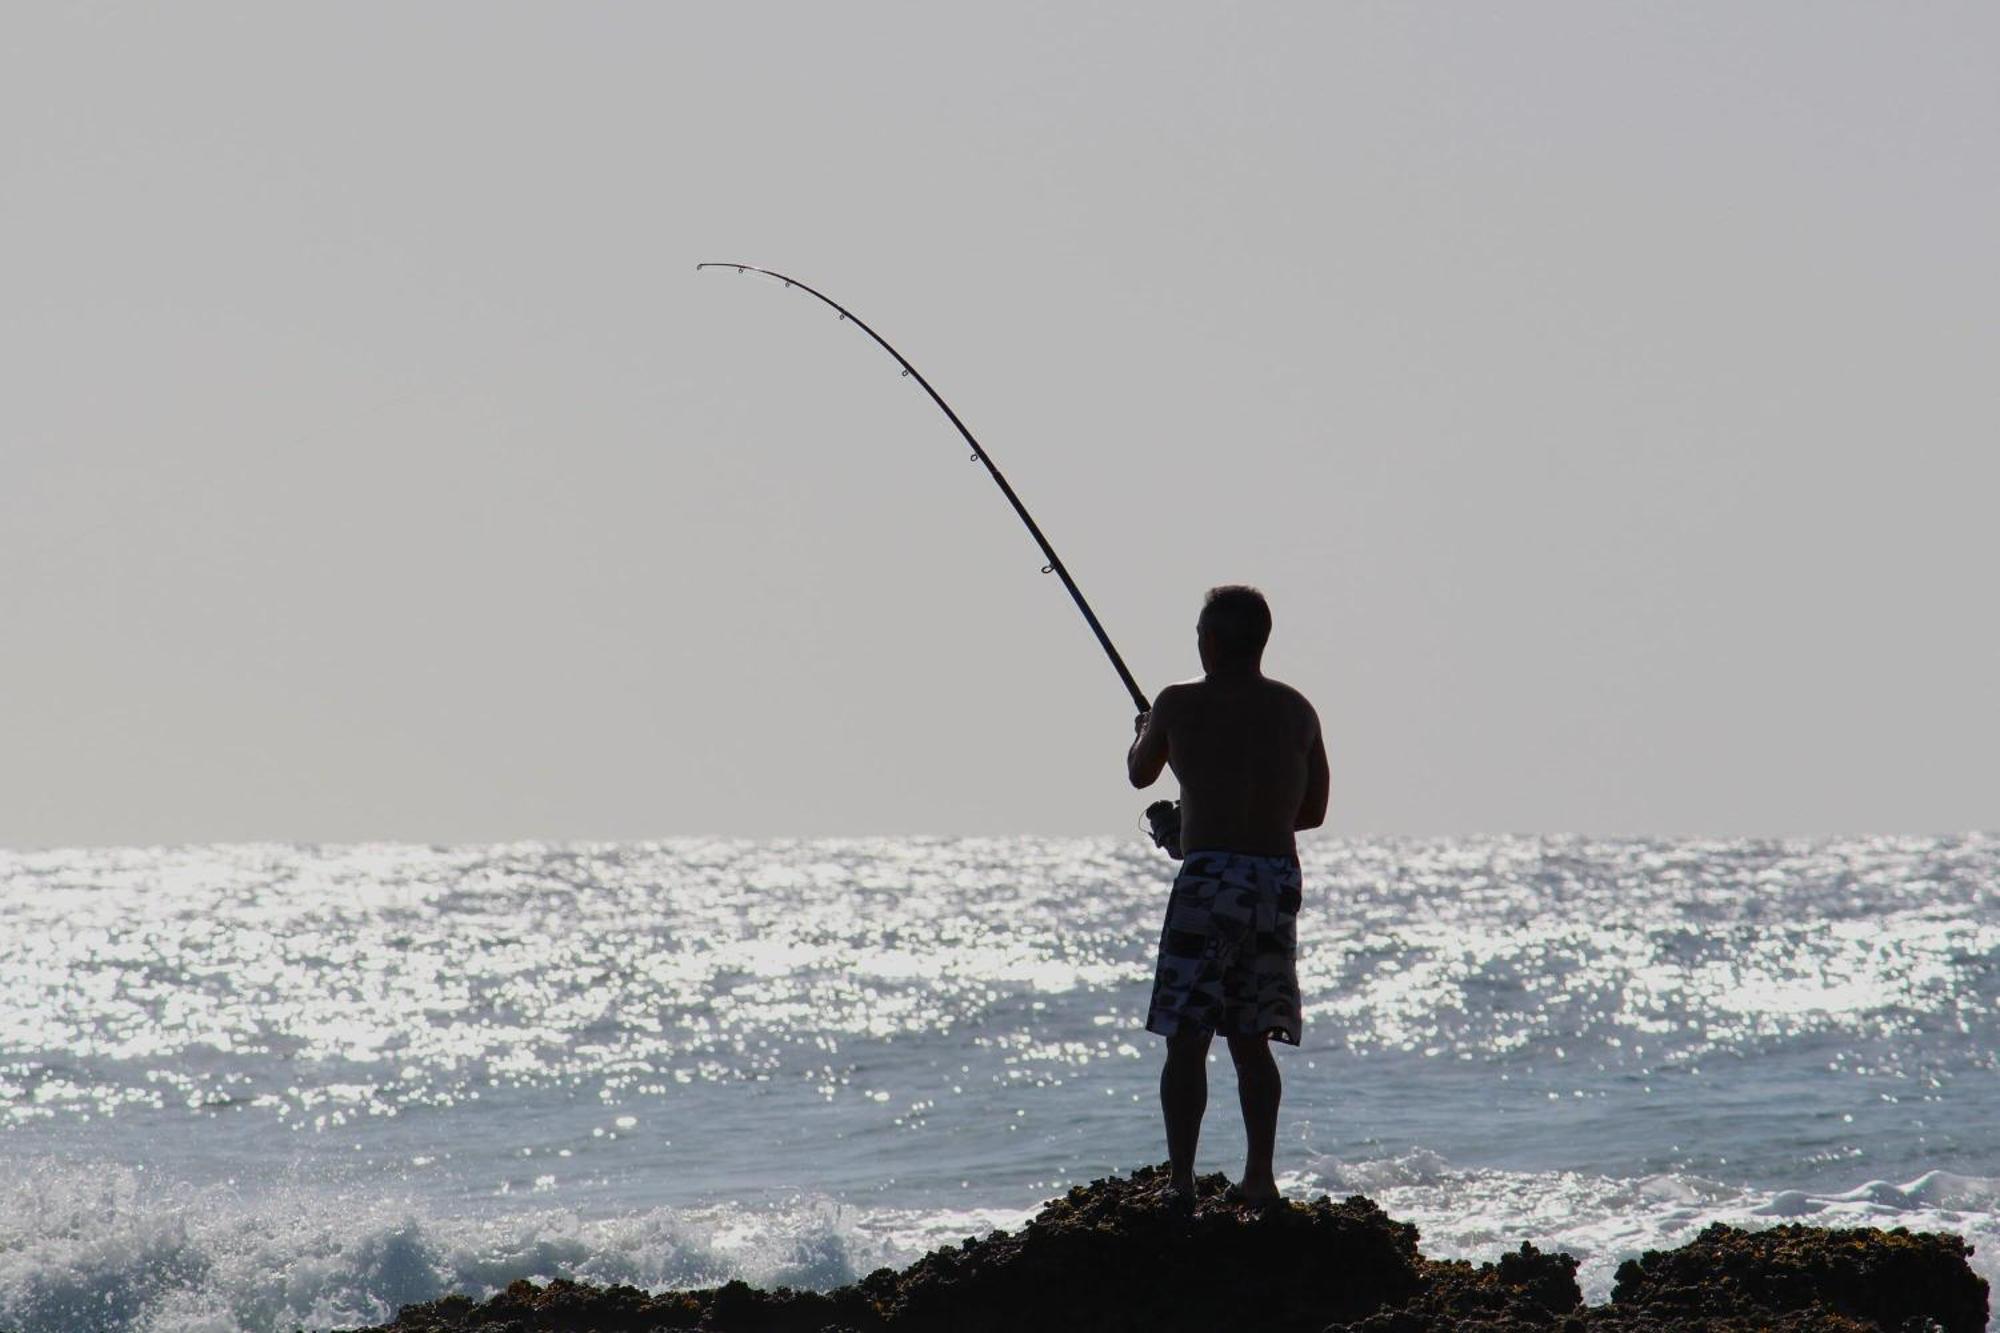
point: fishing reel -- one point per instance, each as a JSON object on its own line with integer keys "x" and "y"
{"x": 1163, "y": 822}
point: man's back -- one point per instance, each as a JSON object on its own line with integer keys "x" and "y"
{"x": 1244, "y": 749}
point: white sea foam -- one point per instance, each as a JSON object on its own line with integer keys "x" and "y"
{"x": 1478, "y": 1214}
{"x": 94, "y": 1251}
{"x": 86, "y": 1250}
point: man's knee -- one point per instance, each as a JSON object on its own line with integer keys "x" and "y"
{"x": 1251, "y": 1052}
{"x": 1188, "y": 1047}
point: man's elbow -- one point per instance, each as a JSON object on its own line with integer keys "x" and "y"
{"x": 1138, "y": 779}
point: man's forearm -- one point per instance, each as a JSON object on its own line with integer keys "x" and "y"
{"x": 1148, "y": 753}
{"x": 1132, "y": 765}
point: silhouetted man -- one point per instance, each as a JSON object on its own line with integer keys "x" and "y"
{"x": 1252, "y": 768}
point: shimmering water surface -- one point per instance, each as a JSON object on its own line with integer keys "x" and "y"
{"x": 252, "y": 1087}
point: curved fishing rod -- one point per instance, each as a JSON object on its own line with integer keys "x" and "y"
{"x": 1055, "y": 565}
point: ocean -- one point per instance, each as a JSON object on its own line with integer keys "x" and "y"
{"x": 259, "y": 1087}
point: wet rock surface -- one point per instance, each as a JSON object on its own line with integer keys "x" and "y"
{"x": 1119, "y": 1255}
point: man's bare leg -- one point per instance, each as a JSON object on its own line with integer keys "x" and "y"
{"x": 1258, "y": 1088}
{"x": 1183, "y": 1099}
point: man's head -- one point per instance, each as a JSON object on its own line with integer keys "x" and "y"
{"x": 1234, "y": 626}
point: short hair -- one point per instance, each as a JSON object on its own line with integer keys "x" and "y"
{"x": 1239, "y": 619}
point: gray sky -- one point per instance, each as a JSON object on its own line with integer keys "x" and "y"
{"x": 1604, "y": 393}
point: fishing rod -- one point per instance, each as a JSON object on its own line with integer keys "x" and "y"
{"x": 979, "y": 455}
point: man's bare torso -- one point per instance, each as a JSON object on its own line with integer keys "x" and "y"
{"x": 1245, "y": 749}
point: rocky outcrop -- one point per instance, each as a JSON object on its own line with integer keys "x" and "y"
{"x": 1869, "y": 1278}
{"x": 1118, "y": 1255}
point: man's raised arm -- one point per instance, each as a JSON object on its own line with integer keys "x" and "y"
{"x": 1148, "y": 754}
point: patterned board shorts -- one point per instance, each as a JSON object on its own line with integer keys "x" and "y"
{"x": 1228, "y": 948}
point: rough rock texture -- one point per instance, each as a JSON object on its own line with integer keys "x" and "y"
{"x": 1116, "y": 1255}
{"x": 1525, "y": 1290}
{"x": 1875, "y": 1279}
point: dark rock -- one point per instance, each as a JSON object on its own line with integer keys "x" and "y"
{"x": 1525, "y": 1290}
{"x": 1117, "y": 1255}
{"x": 1879, "y": 1279}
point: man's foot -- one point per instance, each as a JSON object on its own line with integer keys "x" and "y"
{"x": 1179, "y": 1195}
{"x": 1260, "y": 1196}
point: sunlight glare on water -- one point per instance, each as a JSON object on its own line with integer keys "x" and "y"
{"x": 850, "y": 1048}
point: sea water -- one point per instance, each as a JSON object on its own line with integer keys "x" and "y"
{"x": 256, "y": 1087}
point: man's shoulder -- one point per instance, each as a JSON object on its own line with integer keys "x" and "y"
{"x": 1279, "y": 687}
{"x": 1292, "y": 697}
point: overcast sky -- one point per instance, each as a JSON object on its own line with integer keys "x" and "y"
{"x": 1605, "y": 395}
